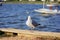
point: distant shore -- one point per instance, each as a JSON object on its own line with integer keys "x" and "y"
{"x": 24, "y": 2}
{"x": 27, "y": 2}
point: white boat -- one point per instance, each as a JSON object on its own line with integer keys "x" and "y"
{"x": 47, "y": 11}
{"x": 44, "y": 10}
{"x": 50, "y": 5}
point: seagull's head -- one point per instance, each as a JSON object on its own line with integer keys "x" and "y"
{"x": 29, "y": 18}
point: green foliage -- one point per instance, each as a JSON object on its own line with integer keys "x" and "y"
{"x": 12, "y": 0}
{"x": 22, "y": 0}
{"x": 58, "y": 2}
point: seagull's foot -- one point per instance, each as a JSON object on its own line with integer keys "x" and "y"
{"x": 31, "y": 30}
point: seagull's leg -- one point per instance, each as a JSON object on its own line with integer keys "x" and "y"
{"x": 31, "y": 30}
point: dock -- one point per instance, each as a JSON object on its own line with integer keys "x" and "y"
{"x": 32, "y": 34}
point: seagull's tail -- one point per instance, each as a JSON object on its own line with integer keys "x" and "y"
{"x": 39, "y": 24}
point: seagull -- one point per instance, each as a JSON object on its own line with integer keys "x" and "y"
{"x": 31, "y": 23}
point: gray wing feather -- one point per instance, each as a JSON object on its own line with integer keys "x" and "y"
{"x": 34, "y": 23}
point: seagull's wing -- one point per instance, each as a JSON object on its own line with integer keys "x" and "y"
{"x": 34, "y": 23}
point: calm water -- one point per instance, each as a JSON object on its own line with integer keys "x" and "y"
{"x": 15, "y": 16}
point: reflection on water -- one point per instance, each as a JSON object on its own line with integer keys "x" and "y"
{"x": 15, "y": 16}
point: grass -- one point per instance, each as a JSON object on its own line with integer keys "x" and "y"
{"x": 27, "y": 2}
{"x": 24, "y": 2}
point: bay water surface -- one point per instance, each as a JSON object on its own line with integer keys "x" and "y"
{"x": 15, "y": 16}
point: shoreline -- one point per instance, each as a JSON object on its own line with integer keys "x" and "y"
{"x": 26, "y": 2}
{"x": 29, "y": 35}
{"x": 23, "y": 2}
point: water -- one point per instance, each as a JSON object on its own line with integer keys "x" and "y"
{"x": 15, "y": 16}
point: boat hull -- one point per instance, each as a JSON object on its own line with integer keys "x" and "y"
{"x": 47, "y": 11}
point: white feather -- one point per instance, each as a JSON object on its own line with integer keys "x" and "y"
{"x": 29, "y": 22}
